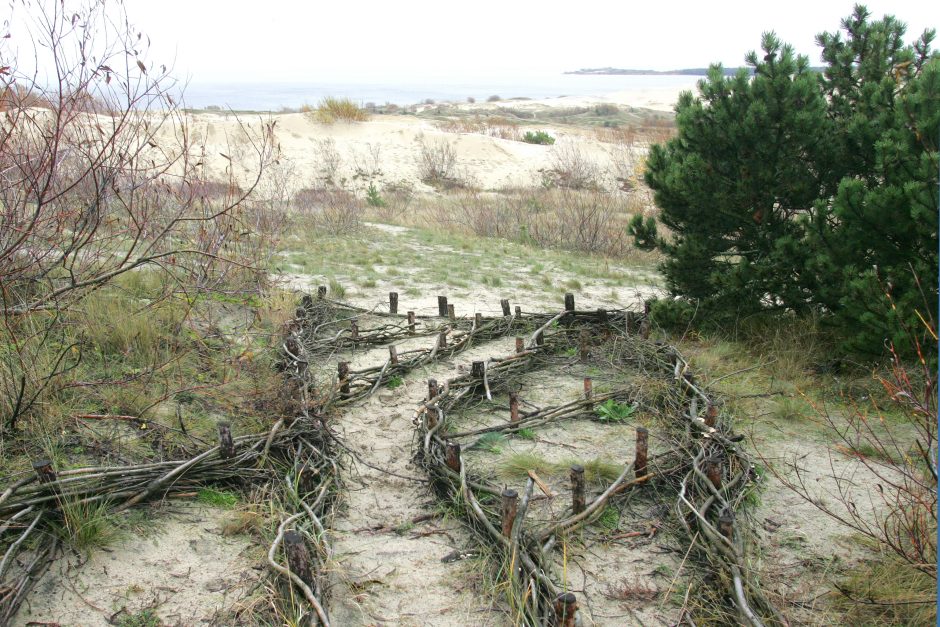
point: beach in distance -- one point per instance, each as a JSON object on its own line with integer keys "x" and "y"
{"x": 654, "y": 92}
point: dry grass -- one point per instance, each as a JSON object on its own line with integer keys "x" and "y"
{"x": 332, "y": 110}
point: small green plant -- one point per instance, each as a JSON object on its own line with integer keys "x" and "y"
{"x": 337, "y": 289}
{"x": 86, "y": 526}
{"x": 373, "y": 198}
{"x": 143, "y": 618}
{"x": 526, "y": 433}
{"x": 490, "y": 442}
{"x": 609, "y": 518}
{"x": 538, "y": 137}
{"x": 394, "y": 382}
{"x": 217, "y": 498}
{"x": 612, "y": 411}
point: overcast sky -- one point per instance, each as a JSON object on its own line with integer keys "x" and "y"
{"x": 276, "y": 40}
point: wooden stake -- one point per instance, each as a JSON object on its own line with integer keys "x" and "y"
{"x": 513, "y": 407}
{"x": 645, "y": 328}
{"x": 393, "y": 354}
{"x": 628, "y": 323}
{"x": 321, "y": 292}
{"x": 540, "y": 339}
{"x": 226, "y": 444}
{"x": 354, "y": 330}
{"x": 510, "y": 498}
{"x": 566, "y": 608}
{"x": 393, "y": 302}
{"x": 577, "y": 489}
{"x": 569, "y": 302}
{"x": 520, "y": 344}
{"x": 726, "y": 524}
{"x": 583, "y": 341}
{"x": 476, "y": 370}
{"x": 432, "y": 389}
{"x": 451, "y": 313}
{"x": 505, "y": 304}
{"x": 411, "y": 322}
{"x": 642, "y": 451}
{"x": 602, "y": 314}
{"x": 711, "y": 415}
{"x": 442, "y": 339}
{"x": 452, "y": 456}
{"x": 442, "y": 306}
{"x": 342, "y": 368}
{"x": 298, "y": 557}
{"x": 518, "y": 311}
{"x": 44, "y": 470}
{"x": 588, "y": 388}
{"x": 478, "y": 320}
{"x": 713, "y": 472}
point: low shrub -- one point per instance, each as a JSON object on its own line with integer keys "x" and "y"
{"x": 332, "y": 109}
{"x": 538, "y": 137}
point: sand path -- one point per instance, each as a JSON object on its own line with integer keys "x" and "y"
{"x": 389, "y": 569}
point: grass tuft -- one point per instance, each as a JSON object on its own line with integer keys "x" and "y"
{"x": 332, "y": 110}
{"x": 217, "y": 498}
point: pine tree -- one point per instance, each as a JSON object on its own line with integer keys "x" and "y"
{"x": 795, "y": 190}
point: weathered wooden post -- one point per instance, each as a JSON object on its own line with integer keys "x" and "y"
{"x": 44, "y": 470}
{"x": 411, "y": 322}
{"x": 711, "y": 415}
{"x": 226, "y": 444}
{"x": 642, "y": 451}
{"x": 306, "y": 301}
{"x": 713, "y": 472}
{"x": 442, "y": 306}
{"x": 569, "y": 302}
{"x": 601, "y": 315}
{"x": 645, "y": 328}
{"x": 354, "y": 330}
{"x": 510, "y": 497}
{"x": 566, "y": 609}
{"x": 505, "y": 305}
{"x": 452, "y": 456}
{"x": 432, "y": 412}
{"x": 513, "y": 407}
{"x": 432, "y": 389}
{"x": 442, "y": 339}
{"x": 584, "y": 339}
{"x": 726, "y": 524}
{"x": 577, "y": 489}
{"x": 628, "y": 323}
{"x": 540, "y": 339}
{"x": 476, "y": 370}
{"x": 477, "y": 320}
{"x": 588, "y": 388}
{"x": 393, "y": 302}
{"x": 451, "y": 312}
{"x": 520, "y": 344}
{"x": 321, "y": 292}
{"x": 298, "y": 558}
{"x": 342, "y": 369}
{"x": 393, "y": 354}
{"x": 518, "y": 311}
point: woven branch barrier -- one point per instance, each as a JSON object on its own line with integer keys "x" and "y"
{"x": 302, "y": 460}
{"x": 709, "y": 470}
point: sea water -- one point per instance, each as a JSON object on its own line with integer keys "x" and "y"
{"x": 275, "y": 96}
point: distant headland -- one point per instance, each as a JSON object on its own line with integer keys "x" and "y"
{"x": 695, "y": 71}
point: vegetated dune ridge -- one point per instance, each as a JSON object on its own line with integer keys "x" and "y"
{"x": 387, "y": 148}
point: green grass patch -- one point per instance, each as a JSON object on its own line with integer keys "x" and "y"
{"x": 337, "y": 290}
{"x": 217, "y": 498}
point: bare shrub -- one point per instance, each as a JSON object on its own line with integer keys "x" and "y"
{"x": 100, "y": 183}
{"x": 328, "y": 161}
{"x": 368, "y": 164}
{"x": 571, "y": 169}
{"x": 437, "y": 163}
{"x": 332, "y": 211}
{"x": 895, "y": 447}
{"x": 491, "y": 126}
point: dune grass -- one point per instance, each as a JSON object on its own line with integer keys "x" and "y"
{"x": 331, "y": 110}
{"x": 518, "y": 465}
